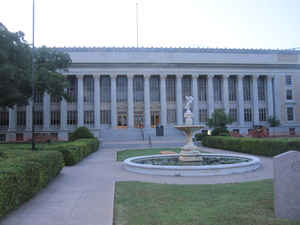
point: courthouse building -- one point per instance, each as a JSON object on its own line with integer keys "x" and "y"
{"x": 131, "y": 91}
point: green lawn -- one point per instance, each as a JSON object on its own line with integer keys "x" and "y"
{"x": 222, "y": 204}
{"x": 122, "y": 155}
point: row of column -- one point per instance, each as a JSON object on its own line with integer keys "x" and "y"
{"x": 163, "y": 102}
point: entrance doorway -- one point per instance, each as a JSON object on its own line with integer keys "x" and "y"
{"x": 139, "y": 119}
{"x": 155, "y": 118}
{"x": 122, "y": 120}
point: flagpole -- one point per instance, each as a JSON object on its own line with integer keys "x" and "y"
{"x": 33, "y": 80}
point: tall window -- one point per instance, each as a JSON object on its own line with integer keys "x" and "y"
{"x": 203, "y": 115}
{"x": 233, "y": 114}
{"x": 261, "y": 85}
{"x": 38, "y": 97}
{"x": 217, "y": 81}
{"x": 171, "y": 88}
{"x": 55, "y": 118}
{"x": 105, "y": 117}
{"x": 202, "y": 88}
{"x": 122, "y": 89}
{"x": 89, "y": 117}
{"x": 138, "y": 88}
{"x": 21, "y": 119}
{"x": 248, "y": 115}
{"x": 105, "y": 86}
{"x": 290, "y": 113}
{"x": 262, "y": 114}
{"x": 289, "y": 94}
{"x": 288, "y": 80}
{"x": 38, "y": 118}
{"x": 232, "y": 86}
{"x": 247, "y": 88}
{"x": 186, "y": 86}
{"x": 72, "y": 117}
{"x": 88, "y": 87}
{"x": 154, "y": 89}
{"x": 4, "y": 118}
{"x": 72, "y": 90}
{"x": 171, "y": 115}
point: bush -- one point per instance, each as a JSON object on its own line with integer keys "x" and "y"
{"x": 256, "y": 146}
{"x": 81, "y": 132}
{"x": 220, "y": 131}
{"x": 23, "y": 176}
{"x": 200, "y": 136}
{"x": 75, "y": 151}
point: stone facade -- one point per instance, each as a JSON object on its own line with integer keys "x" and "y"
{"x": 141, "y": 88}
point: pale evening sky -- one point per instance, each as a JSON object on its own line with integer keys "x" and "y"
{"x": 162, "y": 23}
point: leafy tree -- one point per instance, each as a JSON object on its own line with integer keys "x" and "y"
{"x": 15, "y": 69}
{"x": 273, "y": 121}
{"x": 218, "y": 121}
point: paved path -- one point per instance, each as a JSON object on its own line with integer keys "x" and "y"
{"x": 84, "y": 194}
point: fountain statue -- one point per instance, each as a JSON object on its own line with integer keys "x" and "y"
{"x": 189, "y": 152}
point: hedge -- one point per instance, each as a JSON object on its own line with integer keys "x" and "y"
{"x": 24, "y": 175}
{"x": 256, "y": 146}
{"x": 75, "y": 151}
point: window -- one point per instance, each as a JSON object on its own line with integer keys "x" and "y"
{"x": 292, "y": 131}
{"x": 171, "y": 116}
{"x": 105, "y": 117}
{"x": 38, "y": 97}
{"x": 72, "y": 117}
{"x": 203, "y": 115}
{"x": 288, "y": 80}
{"x": 247, "y": 88}
{"x": 138, "y": 88}
{"x": 55, "y": 118}
{"x": 186, "y": 86}
{"x": 217, "y": 86}
{"x": 88, "y": 87}
{"x": 19, "y": 137}
{"x": 4, "y": 119}
{"x": 2, "y": 137}
{"x": 105, "y": 89}
{"x": 72, "y": 90}
{"x": 290, "y": 113}
{"x": 154, "y": 89}
{"x": 88, "y": 117}
{"x": 247, "y": 115}
{"x": 38, "y": 118}
{"x": 202, "y": 88}
{"x": 54, "y": 99}
{"x": 233, "y": 114}
{"x": 289, "y": 94}
{"x": 122, "y": 87}
{"x": 261, "y": 86}
{"x": 21, "y": 118}
{"x": 262, "y": 114}
{"x": 171, "y": 88}
{"x": 232, "y": 86}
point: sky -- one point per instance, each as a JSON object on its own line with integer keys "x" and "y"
{"x": 267, "y": 24}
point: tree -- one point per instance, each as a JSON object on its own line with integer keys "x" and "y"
{"x": 218, "y": 121}
{"x": 15, "y": 69}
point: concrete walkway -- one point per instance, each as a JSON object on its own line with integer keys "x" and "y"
{"x": 84, "y": 194}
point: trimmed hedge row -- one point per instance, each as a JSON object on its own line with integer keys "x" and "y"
{"x": 23, "y": 176}
{"x": 75, "y": 151}
{"x": 255, "y": 146}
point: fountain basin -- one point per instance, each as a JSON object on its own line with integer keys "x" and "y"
{"x": 137, "y": 165}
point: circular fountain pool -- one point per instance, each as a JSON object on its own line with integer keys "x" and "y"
{"x": 211, "y": 164}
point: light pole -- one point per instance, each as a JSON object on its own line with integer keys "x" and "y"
{"x": 33, "y": 81}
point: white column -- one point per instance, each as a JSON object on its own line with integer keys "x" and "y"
{"x": 12, "y": 117}
{"x": 46, "y": 111}
{"x": 113, "y": 100}
{"x": 97, "y": 100}
{"x": 147, "y": 100}
{"x": 80, "y": 102}
{"x": 240, "y": 96}
{"x": 130, "y": 100}
{"x": 63, "y": 114}
{"x": 226, "y": 94}
{"x": 196, "y": 98}
{"x": 277, "y": 96}
{"x": 179, "y": 105}
{"x": 270, "y": 96}
{"x": 163, "y": 99}
{"x": 255, "y": 100}
{"x": 210, "y": 96}
{"x": 29, "y": 115}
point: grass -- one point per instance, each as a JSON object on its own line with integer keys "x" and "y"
{"x": 222, "y": 204}
{"x": 122, "y": 155}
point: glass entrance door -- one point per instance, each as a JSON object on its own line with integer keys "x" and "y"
{"x": 155, "y": 118}
{"x": 139, "y": 119}
{"x": 122, "y": 120}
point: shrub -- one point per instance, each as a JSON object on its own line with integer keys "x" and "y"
{"x": 75, "y": 151}
{"x": 220, "y": 131}
{"x": 23, "y": 176}
{"x": 200, "y": 136}
{"x": 256, "y": 146}
{"x": 81, "y": 132}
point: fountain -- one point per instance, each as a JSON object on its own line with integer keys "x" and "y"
{"x": 190, "y": 162}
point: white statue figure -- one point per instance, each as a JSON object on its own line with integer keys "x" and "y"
{"x": 189, "y": 100}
